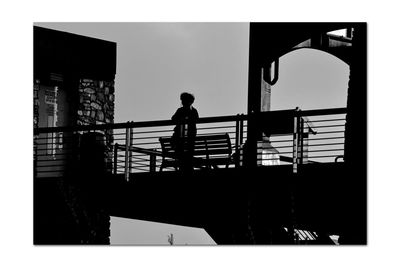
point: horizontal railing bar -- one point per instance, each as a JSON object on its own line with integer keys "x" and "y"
{"x": 142, "y": 150}
{"x": 222, "y": 119}
{"x": 138, "y": 157}
{"x": 42, "y": 158}
{"x": 158, "y": 131}
{"x": 48, "y": 166}
{"x": 286, "y": 140}
{"x": 155, "y": 145}
{"x": 325, "y": 156}
{"x": 82, "y": 128}
{"x": 49, "y": 149}
{"x": 140, "y": 124}
{"x": 217, "y": 127}
{"x": 138, "y": 162}
{"x": 41, "y": 171}
{"x": 54, "y": 135}
{"x": 150, "y": 137}
{"x": 325, "y": 144}
{"x": 149, "y": 143}
{"x": 317, "y": 121}
{"x": 281, "y": 134}
{"x": 56, "y": 154}
{"x": 52, "y": 160}
{"x": 146, "y": 154}
{"x": 326, "y": 126}
{"x": 325, "y": 150}
{"x": 330, "y": 132}
{"x": 119, "y": 139}
{"x": 320, "y": 112}
{"x": 50, "y": 137}
{"x": 325, "y": 138}
{"x": 53, "y": 143}
{"x": 140, "y": 170}
{"x": 47, "y": 177}
{"x": 279, "y": 153}
{"x": 282, "y": 147}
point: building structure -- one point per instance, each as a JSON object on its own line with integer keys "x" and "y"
{"x": 73, "y": 86}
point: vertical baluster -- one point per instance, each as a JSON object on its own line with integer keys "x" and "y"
{"x": 301, "y": 138}
{"x": 295, "y": 141}
{"x": 127, "y": 146}
{"x": 241, "y": 139}
{"x": 152, "y": 162}
{"x": 237, "y": 155}
{"x": 130, "y": 152}
{"x": 115, "y": 157}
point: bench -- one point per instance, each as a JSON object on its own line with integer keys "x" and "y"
{"x": 209, "y": 151}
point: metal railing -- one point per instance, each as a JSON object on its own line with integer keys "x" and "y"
{"x": 316, "y": 136}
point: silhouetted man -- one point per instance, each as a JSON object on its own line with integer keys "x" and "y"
{"x": 185, "y": 131}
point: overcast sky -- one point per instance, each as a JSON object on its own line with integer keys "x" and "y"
{"x": 158, "y": 61}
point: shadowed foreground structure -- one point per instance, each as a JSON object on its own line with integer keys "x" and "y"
{"x": 249, "y": 202}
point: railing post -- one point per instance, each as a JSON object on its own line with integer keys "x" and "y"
{"x": 241, "y": 129}
{"x": 241, "y": 152}
{"x": 295, "y": 140}
{"x": 127, "y": 146}
{"x": 237, "y": 155}
{"x": 130, "y": 152}
{"x": 152, "y": 162}
{"x": 115, "y": 157}
{"x": 301, "y": 138}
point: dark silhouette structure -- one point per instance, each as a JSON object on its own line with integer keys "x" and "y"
{"x": 268, "y": 42}
{"x": 300, "y": 202}
{"x": 73, "y": 85}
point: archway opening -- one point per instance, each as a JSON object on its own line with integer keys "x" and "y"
{"x": 310, "y": 79}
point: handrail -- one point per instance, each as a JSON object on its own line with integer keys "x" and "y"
{"x": 124, "y": 125}
{"x": 317, "y": 112}
{"x": 139, "y": 124}
{"x": 142, "y": 138}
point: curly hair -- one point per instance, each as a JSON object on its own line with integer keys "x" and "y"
{"x": 187, "y": 98}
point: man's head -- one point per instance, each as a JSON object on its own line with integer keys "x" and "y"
{"x": 187, "y": 99}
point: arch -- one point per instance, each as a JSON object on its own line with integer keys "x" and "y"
{"x": 340, "y": 56}
{"x": 269, "y": 41}
{"x": 310, "y": 79}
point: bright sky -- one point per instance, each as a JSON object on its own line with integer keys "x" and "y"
{"x": 158, "y": 61}
{"x": 135, "y": 232}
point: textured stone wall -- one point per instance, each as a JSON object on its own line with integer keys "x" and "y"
{"x": 96, "y": 104}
